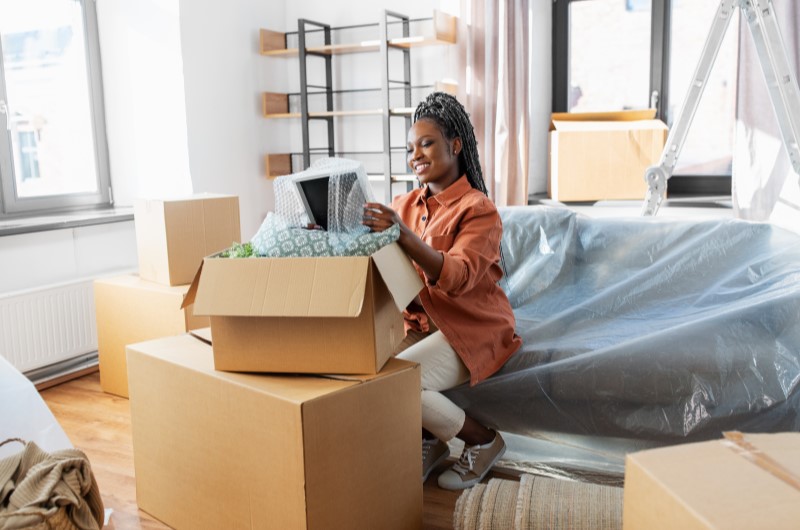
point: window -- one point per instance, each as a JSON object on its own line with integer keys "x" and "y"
{"x": 635, "y": 54}
{"x": 52, "y": 134}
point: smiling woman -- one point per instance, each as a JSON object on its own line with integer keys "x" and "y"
{"x": 460, "y": 328}
{"x": 52, "y": 133}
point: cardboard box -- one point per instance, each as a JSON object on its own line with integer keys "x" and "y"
{"x": 744, "y": 481}
{"x": 227, "y": 450}
{"x": 603, "y": 155}
{"x": 173, "y": 236}
{"x": 340, "y": 315}
{"x": 130, "y": 310}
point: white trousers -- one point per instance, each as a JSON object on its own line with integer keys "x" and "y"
{"x": 441, "y": 369}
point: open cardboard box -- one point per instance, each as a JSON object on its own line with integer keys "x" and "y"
{"x": 339, "y": 315}
{"x": 743, "y": 481}
{"x": 217, "y": 449}
{"x": 603, "y": 155}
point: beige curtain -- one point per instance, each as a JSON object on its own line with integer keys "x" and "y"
{"x": 765, "y": 188}
{"x": 494, "y": 42}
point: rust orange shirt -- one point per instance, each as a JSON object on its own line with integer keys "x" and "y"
{"x": 466, "y": 303}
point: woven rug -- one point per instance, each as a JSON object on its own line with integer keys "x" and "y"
{"x": 538, "y": 503}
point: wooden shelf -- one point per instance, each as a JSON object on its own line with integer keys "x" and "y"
{"x": 277, "y": 164}
{"x": 275, "y": 107}
{"x": 273, "y": 43}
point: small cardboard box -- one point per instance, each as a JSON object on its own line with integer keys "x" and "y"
{"x": 338, "y": 315}
{"x": 130, "y": 310}
{"x": 227, "y": 450}
{"x": 173, "y": 236}
{"x": 744, "y": 481}
{"x": 603, "y": 155}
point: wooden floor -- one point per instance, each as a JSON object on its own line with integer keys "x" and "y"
{"x": 99, "y": 424}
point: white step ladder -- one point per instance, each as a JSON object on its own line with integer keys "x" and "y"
{"x": 781, "y": 82}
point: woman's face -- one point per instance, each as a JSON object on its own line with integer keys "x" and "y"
{"x": 432, "y": 158}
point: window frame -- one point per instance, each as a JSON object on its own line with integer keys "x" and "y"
{"x": 660, "y": 31}
{"x": 10, "y": 204}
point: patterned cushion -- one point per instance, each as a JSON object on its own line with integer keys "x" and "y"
{"x": 275, "y": 240}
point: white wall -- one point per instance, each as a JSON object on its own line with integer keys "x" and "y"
{"x": 47, "y": 258}
{"x": 182, "y": 82}
{"x": 224, "y": 76}
{"x": 144, "y": 98}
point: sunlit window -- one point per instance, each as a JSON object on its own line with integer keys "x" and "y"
{"x": 616, "y": 58}
{"x": 52, "y": 150}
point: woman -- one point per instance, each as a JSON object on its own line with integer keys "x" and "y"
{"x": 461, "y": 327}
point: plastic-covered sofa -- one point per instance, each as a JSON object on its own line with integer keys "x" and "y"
{"x": 640, "y": 332}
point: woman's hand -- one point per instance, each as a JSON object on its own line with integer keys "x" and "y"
{"x": 378, "y": 217}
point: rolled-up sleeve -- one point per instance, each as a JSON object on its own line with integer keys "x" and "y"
{"x": 475, "y": 248}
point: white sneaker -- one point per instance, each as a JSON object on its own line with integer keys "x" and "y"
{"x": 434, "y": 452}
{"x": 475, "y": 462}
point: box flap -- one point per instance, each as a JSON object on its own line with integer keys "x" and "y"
{"x": 398, "y": 274}
{"x": 293, "y": 287}
{"x": 191, "y": 293}
{"x": 609, "y": 126}
{"x": 621, "y": 115}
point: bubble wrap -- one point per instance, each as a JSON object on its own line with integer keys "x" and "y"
{"x": 283, "y": 232}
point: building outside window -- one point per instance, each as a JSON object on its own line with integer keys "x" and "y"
{"x": 53, "y": 151}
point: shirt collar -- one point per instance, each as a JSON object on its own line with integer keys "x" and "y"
{"x": 450, "y": 194}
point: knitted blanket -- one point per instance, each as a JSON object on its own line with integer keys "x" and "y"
{"x": 44, "y": 490}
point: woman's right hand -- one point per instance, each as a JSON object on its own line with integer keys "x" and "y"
{"x": 379, "y": 217}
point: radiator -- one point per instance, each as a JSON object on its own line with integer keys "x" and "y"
{"x": 51, "y": 327}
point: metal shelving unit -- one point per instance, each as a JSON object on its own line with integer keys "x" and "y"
{"x": 277, "y": 106}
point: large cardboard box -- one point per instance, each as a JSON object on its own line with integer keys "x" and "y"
{"x": 603, "y": 155}
{"x": 227, "y": 450}
{"x": 744, "y": 481}
{"x": 130, "y": 310}
{"x": 340, "y": 315}
{"x": 173, "y": 236}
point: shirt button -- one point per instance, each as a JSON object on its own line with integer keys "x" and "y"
{"x": 424, "y": 217}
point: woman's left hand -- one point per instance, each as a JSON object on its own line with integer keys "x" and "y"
{"x": 378, "y": 217}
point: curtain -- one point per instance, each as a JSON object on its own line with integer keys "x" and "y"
{"x": 494, "y": 41}
{"x": 765, "y": 188}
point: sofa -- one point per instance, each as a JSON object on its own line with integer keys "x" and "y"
{"x": 647, "y": 330}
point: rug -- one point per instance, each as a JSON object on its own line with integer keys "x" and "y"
{"x": 538, "y": 503}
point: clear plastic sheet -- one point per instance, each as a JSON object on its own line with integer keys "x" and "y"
{"x": 641, "y": 332}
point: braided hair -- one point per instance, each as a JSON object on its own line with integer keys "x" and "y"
{"x": 453, "y": 120}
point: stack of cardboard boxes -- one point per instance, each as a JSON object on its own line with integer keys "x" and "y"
{"x": 290, "y": 410}
{"x": 173, "y": 237}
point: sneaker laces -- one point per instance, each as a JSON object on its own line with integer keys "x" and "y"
{"x": 466, "y": 461}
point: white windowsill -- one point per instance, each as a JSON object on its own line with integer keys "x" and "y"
{"x": 63, "y": 220}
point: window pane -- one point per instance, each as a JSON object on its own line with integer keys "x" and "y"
{"x": 609, "y": 63}
{"x": 47, "y": 87}
{"x": 709, "y": 144}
